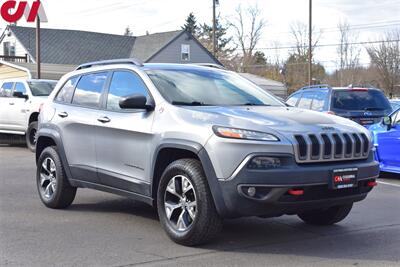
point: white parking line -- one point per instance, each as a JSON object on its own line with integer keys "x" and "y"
{"x": 385, "y": 183}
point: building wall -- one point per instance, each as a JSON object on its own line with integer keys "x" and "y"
{"x": 172, "y": 53}
{"x": 19, "y": 49}
{"x": 7, "y": 72}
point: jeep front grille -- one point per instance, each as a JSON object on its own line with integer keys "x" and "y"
{"x": 331, "y": 147}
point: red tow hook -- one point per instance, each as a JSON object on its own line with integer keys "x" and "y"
{"x": 372, "y": 184}
{"x": 296, "y": 192}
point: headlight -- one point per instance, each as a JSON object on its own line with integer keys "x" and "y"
{"x": 244, "y": 134}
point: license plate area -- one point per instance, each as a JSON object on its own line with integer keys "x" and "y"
{"x": 344, "y": 178}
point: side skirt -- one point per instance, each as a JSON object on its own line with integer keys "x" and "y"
{"x": 108, "y": 189}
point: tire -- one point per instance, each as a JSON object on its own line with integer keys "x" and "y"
{"x": 327, "y": 216}
{"x": 206, "y": 223}
{"x": 31, "y": 136}
{"x": 51, "y": 178}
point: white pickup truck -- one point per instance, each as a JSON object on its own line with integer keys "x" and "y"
{"x": 20, "y": 101}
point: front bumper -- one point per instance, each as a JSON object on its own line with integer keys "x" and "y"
{"x": 272, "y": 186}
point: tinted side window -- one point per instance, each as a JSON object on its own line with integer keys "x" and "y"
{"x": 20, "y": 87}
{"x": 66, "y": 93}
{"x": 89, "y": 88}
{"x": 124, "y": 83}
{"x": 6, "y": 90}
{"x": 306, "y": 100}
{"x": 319, "y": 101}
{"x": 293, "y": 99}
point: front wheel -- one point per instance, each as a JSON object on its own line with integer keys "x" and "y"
{"x": 31, "y": 136}
{"x": 185, "y": 205}
{"x": 326, "y": 216}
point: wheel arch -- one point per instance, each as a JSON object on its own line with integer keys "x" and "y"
{"x": 174, "y": 150}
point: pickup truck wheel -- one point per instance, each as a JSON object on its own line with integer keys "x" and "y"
{"x": 327, "y": 216}
{"x": 31, "y": 136}
{"x": 53, "y": 186}
{"x": 185, "y": 205}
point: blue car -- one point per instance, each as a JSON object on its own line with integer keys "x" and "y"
{"x": 387, "y": 142}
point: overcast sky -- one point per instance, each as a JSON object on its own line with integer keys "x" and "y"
{"x": 112, "y": 16}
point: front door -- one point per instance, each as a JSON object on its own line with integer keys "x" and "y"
{"x": 124, "y": 137}
{"x": 389, "y": 145}
{"x": 19, "y": 109}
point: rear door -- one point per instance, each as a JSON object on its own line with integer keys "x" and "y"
{"x": 124, "y": 137}
{"x": 389, "y": 145}
{"x": 77, "y": 108}
{"x": 5, "y": 96}
{"x": 18, "y": 109}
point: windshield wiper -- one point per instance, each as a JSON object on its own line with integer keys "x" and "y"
{"x": 194, "y": 103}
{"x": 254, "y": 104}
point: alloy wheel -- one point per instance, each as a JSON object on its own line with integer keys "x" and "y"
{"x": 48, "y": 178}
{"x": 180, "y": 203}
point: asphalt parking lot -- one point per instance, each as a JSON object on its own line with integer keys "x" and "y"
{"x": 105, "y": 230}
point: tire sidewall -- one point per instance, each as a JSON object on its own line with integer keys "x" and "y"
{"x": 50, "y": 152}
{"x": 166, "y": 178}
{"x": 32, "y": 126}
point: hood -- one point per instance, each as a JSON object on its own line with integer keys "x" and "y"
{"x": 270, "y": 119}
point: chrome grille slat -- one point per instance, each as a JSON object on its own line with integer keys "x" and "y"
{"x": 326, "y": 147}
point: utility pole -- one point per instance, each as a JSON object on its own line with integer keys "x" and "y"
{"x": 310, "y": 46}
{"x": 38, "y": 68}
{"x": 214, "y": 35}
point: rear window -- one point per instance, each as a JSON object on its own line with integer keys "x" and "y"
{"x": 360, "y": 100}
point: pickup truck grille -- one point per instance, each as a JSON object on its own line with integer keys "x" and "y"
{"x": 311, "y": 148}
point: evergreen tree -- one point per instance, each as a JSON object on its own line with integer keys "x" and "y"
{"x": 191, "y": 24}
{"x": 128, "y": 31}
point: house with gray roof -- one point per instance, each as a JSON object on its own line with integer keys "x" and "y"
{"x": 63, "y": 50}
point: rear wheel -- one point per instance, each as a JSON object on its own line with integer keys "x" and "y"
{"x": 326, "y": 216}
{"x": 31, "y": 136}
{"x": 185, "y": 205}
{"x": 52, "y": 183}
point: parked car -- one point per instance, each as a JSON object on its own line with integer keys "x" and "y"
{"x": 201, "y": 144}
{"x": 386, "y": 135}
{"x": 395, "y": 103}
{"x": 20, "y": 101}
{"x": 365, "y": 106}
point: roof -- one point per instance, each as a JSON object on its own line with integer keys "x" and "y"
{"x": 72, "y": 47}
{"x": 148, "y": 45}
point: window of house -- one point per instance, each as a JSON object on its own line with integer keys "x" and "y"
{"x": 66, "y": 93}
{"x": 89, "y": 88}
{"x": 185, "y": 52}
{"x": 8, "y": 49}
{"x": 123, "y": 84}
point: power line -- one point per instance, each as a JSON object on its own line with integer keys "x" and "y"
{"x": 326, "y": 45}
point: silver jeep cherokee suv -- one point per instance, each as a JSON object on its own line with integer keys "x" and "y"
{"x": 201, "y": 144}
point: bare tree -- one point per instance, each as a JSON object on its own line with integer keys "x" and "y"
{"x": 247, "y": 34}
{"x": 299, "y": 32}
{"x": 386, "y": 57}
{"x": 348, "y": 54}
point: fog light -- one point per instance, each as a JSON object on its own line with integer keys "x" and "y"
{"x": 252, "y": 191}
{"x": 264, "y": 163}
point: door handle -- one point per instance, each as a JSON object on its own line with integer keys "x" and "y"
{"x": 104, "y": 120}
{"x": 63, "y": 114}
{"x": 12, "y": 104}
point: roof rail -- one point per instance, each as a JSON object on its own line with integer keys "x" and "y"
{"x": 132, "y": 61}
{"x": 366, "y": 85}
{"x": 211, "y": 65}
{"x": 318, "y": 86}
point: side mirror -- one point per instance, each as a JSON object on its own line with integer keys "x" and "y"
{"x": 136, "y": 102}
{"x": 20, "y": 95}
{"x": 388, "y": 122}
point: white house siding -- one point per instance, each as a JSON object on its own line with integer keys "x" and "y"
{"x": 19, "y": 49}
{"x": 7, "y": 72}
{"x": 172, "y": 53}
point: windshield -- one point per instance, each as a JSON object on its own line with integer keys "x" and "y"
{"x": 371, "y": 100}
{"x": 203, "y": 87}
{"x": 42, "y": 88}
